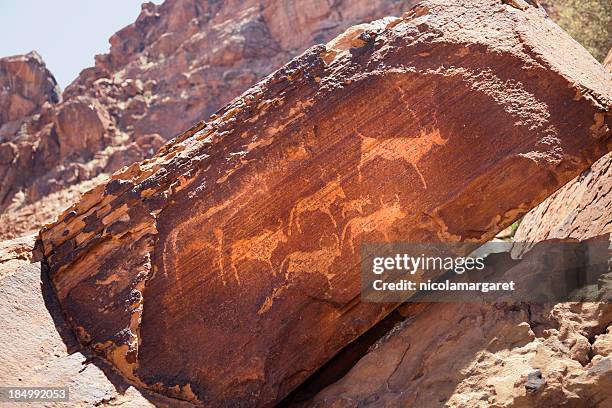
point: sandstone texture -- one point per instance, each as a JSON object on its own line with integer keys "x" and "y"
{"x": 582, "y": 208}
{"x": 484, "y": 355}
{"x": 39, "y": 349}
{"x": 178, "y": 63}
{"x": 223, "y": 271}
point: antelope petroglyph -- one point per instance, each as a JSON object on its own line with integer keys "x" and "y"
{"x": 257, "y": 248}
{"x": 321, "y": 200}
{"x": 408, "y": 149}
{"x": 380, "y": 220}
{"x": 317, "y": 261}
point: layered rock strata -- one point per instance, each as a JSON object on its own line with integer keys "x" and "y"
{"x": 223, "y": 271}
{"x": 176, "y": 64}
{"x": 582, "y": 208}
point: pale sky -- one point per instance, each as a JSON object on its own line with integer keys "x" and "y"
{"x": 66, "y": 33}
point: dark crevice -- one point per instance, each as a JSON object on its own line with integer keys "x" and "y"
{"x": 341, "y": 363}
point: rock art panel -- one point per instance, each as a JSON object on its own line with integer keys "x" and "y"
{"x": 177, "y": 64}
{"x": 153, "y": 271}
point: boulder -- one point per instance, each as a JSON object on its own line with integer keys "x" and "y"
{"x": 223, "y": 271}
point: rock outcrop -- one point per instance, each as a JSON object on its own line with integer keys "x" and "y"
{"x": 177, "y": 64}
{"x": 223, "y": 270}
{"x": 582, "y": 208}
{"x": 25, "y": 86}
{"x": 484, "y": 355}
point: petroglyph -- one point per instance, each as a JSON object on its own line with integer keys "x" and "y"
{"x": 257, "y": 248}
{"x": 354, "y": 206}
{"x": 380, "y": 220}
{"x": 317, "y": 261}
{"x": 321, "y": 200}
{"x": 408, "y": 149}
{"x": 267, "y": 304}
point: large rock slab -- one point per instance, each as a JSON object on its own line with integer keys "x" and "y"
{"x": 178, "y": 63}
{"x": 224, "y": 270}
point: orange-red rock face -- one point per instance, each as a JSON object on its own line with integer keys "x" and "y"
{"x": 482, "y": 355}
{"x": 225, "y": 270}
{"x": 25, "y": 85}
{"x": 581, "y": 209}
{"x": 177, "y": 64}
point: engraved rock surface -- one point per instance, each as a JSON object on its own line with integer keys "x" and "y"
{"x": 224, "y": 270}
{"x": 176, "y": 64}
{"x": 482, "y": 355}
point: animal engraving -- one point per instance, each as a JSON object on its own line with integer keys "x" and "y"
{"x": 317, "y": 261}
{"x": 257, "y": 248}
{"x": 322, "y": 201}
{"x": 380, "y": 220}
{"x": 408, "y": 149}
{"x": 354, "y": 206}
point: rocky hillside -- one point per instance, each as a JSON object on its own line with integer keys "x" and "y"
{"x": 175, "y": 65}
{"x": 341, "y": 146}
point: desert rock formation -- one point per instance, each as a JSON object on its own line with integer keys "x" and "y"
{"x": 25, "y": 86}
{"x": 484, "y": 355}
{"x": 582, "y": 208}
{"x": 176, "y": 64}
{"x": 222, "y": 271}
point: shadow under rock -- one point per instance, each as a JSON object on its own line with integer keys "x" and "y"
{"x": 67, "y": 335}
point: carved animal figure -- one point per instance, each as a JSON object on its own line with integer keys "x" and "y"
{"x": 408, "y": 149}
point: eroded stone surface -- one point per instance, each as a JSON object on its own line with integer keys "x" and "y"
{"x": 35, "y": 341}
{"x": 223, "y": 271}
{"x": 484, "y": 355}
{"x": 176, "y": 64}
{"x": 582, "y": 208}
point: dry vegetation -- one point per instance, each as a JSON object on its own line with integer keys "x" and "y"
{"x": 588, "y": 21}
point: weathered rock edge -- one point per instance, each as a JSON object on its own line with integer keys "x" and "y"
{"x": 446, "y": 124}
